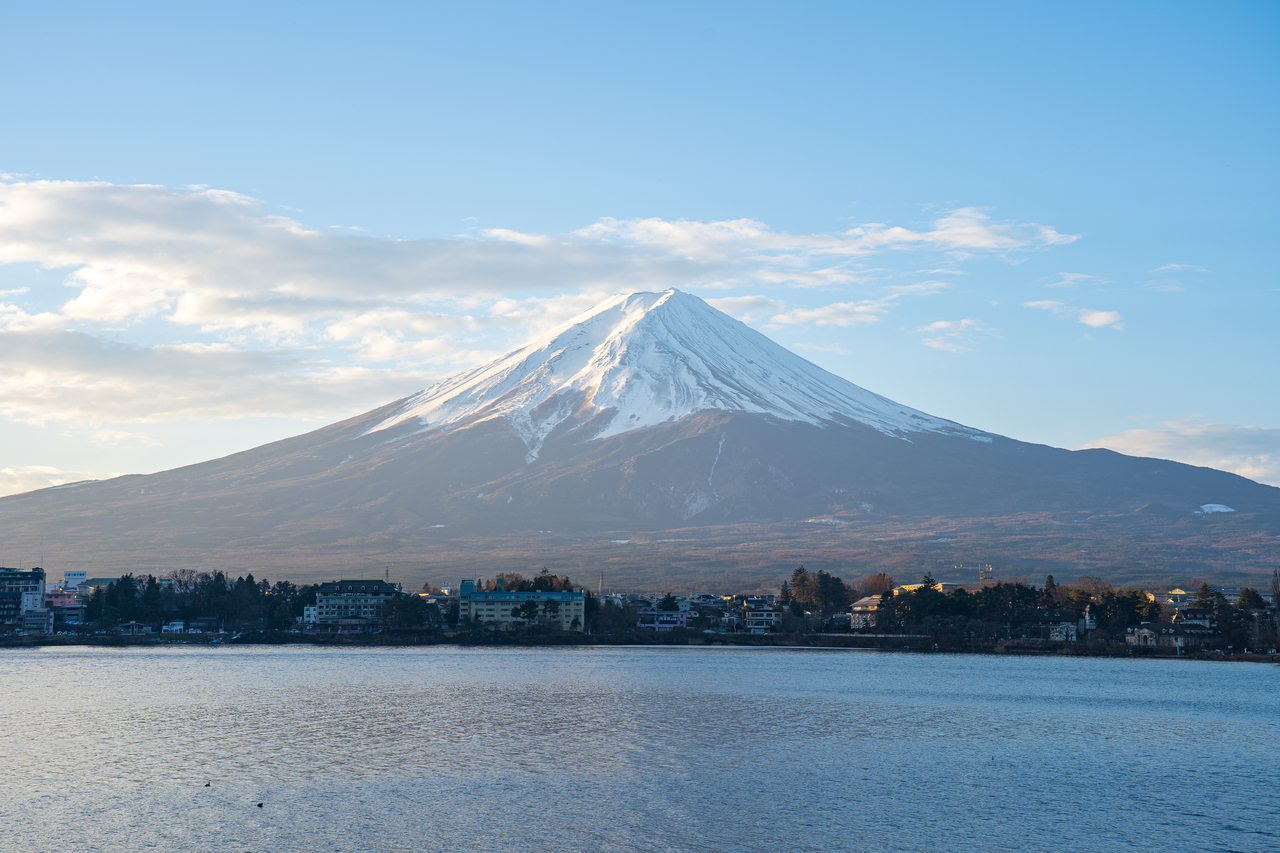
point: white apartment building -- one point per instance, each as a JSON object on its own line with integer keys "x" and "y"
{"x": 499, "y": 608}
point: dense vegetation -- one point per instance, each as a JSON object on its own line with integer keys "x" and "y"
{"x": 811, "y": 602}
{"x": 235, "y": 605}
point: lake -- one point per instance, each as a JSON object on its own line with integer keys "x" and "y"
{"x": 621, "y": 749}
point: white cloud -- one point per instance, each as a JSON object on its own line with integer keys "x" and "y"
{"x": 953, "y": 335}
{"x": 65, "y": 375}
{"x": 523, "y": 239}
{"x": 116, "y": 437}
{"x": 1179, "y": 268}
{"x": 1088, "y": 316}
{"x": 836, "y": 314}
{"x": 261, "y": 314}
{"x": 26, "y": 478}
{"x": 1049, "y": 305}
{"x": 1098, "y": 319}
{"x": 1252, "y": 452}
{"x": 749, "y": 308}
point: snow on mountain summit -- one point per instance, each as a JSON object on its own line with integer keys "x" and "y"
{"x": 645, "y": 359}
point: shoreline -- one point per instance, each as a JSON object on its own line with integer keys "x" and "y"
{"x": 920, "y": 644}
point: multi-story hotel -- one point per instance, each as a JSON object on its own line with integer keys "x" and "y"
{"x": 353, "y": 603}
{"x": 501, "y": 609}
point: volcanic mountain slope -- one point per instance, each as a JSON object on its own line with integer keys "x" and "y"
{"x": 650, "y": 412}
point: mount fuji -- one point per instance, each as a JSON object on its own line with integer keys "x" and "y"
{"x": 649, "y": 420}
{"x": 645, "y": 360}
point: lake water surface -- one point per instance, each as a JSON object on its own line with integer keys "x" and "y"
{"x": 603, "y": 749}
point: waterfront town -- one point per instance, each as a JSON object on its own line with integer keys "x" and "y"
{"x": 187, "y": 606}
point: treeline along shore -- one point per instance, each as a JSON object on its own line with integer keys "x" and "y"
{"x": 812, "y": 609}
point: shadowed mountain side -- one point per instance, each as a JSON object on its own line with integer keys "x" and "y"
{"x": 394, "y": 496}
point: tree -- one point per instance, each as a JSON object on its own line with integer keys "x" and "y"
{"x": 926, "y": 600}
{"x": 1052, "y": 595}
{"x": 819, "y": 590}
{"x": 668, "y": 603}
{"x": 409, "y": 611}
{"x": 1078, "y": 599}
{"x": 551, "y": 608}
{"x": 889, "y": 610}
{"x": 150, "y": 602}
{"x": 121, "y": 601}
{"x": 1207, "y": 596}
{"x": 528, "y": 611}
{"x": 1094, "y": 586}
{"x": 877, "y": 584}
{"x": 1250, "y": 600}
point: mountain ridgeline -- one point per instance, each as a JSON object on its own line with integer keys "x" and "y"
{"x": 651, "y": 412}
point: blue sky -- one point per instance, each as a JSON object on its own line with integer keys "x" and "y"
{"x": 1055, "y": 222}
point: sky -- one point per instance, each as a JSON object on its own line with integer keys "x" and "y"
{"x": 224, "y": 225}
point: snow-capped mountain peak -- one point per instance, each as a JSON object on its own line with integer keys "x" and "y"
{"x": 645, "y": 359}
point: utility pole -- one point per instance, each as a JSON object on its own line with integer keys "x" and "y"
{"x": 600, "y": 589}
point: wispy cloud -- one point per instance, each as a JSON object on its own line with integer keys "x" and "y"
{"x": 953, "y": 335}
{"x": 1088, "y": 316}
{"x": 835, "y": 314}
{"x": 1179, "y": 268}
{"x": 749, "y": 308}
{"x": 831, "y": 348}
{"x": 1249, "y": 451}
{"x": 1071, "y": 279}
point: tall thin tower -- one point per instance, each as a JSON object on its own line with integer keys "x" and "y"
{"x": 600, "y": 589}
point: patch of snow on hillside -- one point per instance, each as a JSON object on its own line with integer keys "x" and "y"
{"x": 73, "y": 485}
{"x": 1208, "y": 508}
{"x": 649, "y": 359}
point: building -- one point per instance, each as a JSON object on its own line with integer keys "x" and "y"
{"x": 89, "y": 586}
{"x": 1201, "y": 616}
{"x": 1063, "y": 632}
{"x": 21, "y": 591}
{"x": 946, "y": 588}
{"x": 863, "y": 612}
{"x": 761, "y": 620}
{"x": 23, "y": 581}
{"x": 1159, "y": 635}
{"x": 65, "y": 604}
{"x": 71, "y": 580}
{"x": 1233, "y": 596}
{"x": 502, "y": 609}
{"x": 662, "y": 620}
{"x": 353, "y": 605}
{"x": 37, "y": 621}
{"x": 1179, "y": 597}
